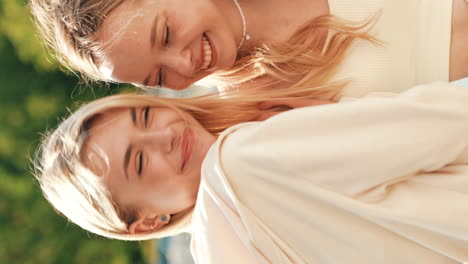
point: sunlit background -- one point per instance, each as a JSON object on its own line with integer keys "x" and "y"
{"x": 34, "y": 93}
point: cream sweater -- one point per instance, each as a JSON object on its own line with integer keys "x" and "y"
{"x": 416, "y": 50}
{"x": 377, "y": 180}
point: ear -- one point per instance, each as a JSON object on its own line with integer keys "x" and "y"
{"x": 148, "y": 224}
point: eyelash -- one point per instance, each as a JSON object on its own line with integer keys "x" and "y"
{"x": 167, "y": 36}
{"x": 146, "y": 115}
{"x": 140, "y": 163}
{"x": 160, "y": 78}
{"x": 140, "y": 154}
{"x": 166, "y": 42}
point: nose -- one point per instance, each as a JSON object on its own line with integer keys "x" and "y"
{"x": 181, "y": 62}
{"x": 160, "y": 140}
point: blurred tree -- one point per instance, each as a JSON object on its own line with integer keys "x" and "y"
{"x": 33, "y": 93}
{"x": 16, "y": 25}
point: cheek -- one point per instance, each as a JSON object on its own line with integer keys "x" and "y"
{"x": 172, "y": 191}
{"x": 125, "y": 196}
{"x": 187, "y": 14}
{"x": 170, "y": 197}
{"x": 183, "y": 196}
{"x": 160, "y": 167}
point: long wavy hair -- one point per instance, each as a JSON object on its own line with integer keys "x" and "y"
{"x": 70, "y": 28}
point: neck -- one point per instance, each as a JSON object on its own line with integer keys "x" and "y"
{"x": 258, "y": 21}
{"x": 270, "y": 21}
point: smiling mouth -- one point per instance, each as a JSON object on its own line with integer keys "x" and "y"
{"x": 207, "y": 53}
{"x": 186, "y": 146}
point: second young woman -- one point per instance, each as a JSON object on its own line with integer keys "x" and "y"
{"x": 261, "y": 44}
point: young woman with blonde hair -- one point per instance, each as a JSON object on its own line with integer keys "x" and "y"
{"x": 261, "y": 44}
{"x": 378, "y": 180}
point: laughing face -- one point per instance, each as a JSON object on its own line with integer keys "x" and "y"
{"x": 171, "y": 43}
{"x": 152, "y": 157}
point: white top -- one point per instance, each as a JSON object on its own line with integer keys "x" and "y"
{"x": 379, "y": 180}
{"x": 416, "y": 50}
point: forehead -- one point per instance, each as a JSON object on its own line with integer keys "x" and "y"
{"x": 100, "y": 152}
{"x": 125, "y": 38}
{"x": 125, "y": 21}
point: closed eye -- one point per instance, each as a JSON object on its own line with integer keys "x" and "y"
{"x": 167, "y": 35}
{"x": 146, "y": 115}
{"x": 139, "y": 162}
{"x": 160, "y": 82}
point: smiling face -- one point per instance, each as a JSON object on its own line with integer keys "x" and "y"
{"x": 154, "y": 158}
{"x": 172, "y": 43}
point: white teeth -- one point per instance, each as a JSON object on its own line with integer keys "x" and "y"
{"x": 207, "y": 51}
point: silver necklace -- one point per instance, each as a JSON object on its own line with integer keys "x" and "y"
{"x": 244, "y": 26}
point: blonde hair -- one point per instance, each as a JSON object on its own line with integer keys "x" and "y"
{"x": 302, "y": 62}
{"x": 80, "y": 195}
{"x": 70, "y": 27}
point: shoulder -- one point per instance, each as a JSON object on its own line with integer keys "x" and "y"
{"x": 252, "y": 153}
{"x": 216, "y": 219}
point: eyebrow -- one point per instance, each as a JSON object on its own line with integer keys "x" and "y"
{"x": 128, "y": 152}
{"x": 152, "y": 44}
{"x": 153, "y": 32}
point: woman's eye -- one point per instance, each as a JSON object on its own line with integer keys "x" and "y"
{"x": 160, "y": 82}
{"x": 146, "y": 115}
{"x": 140, "y": 163}
{"x": 167, "y": 35}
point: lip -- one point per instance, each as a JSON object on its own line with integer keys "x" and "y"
{"x": 186, "y": 146}
{"x": 213, "y": 53}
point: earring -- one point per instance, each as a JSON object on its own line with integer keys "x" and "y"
{"x": 164, "y": 218}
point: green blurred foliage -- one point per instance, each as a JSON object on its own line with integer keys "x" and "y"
{"x": 33, "y": 94}
{"x": 16, "y": 24}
